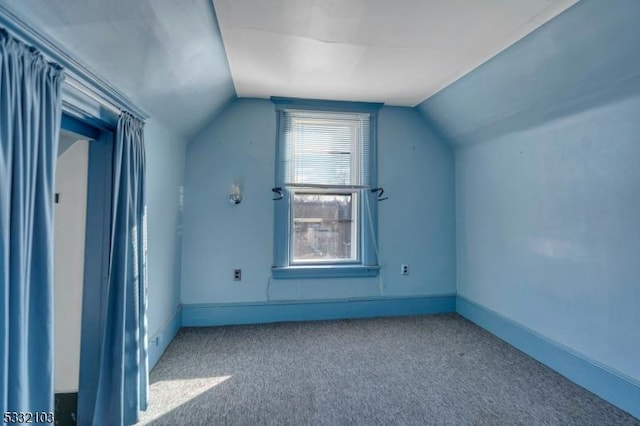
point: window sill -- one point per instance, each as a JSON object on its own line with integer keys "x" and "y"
{"x": 324, "y": 271}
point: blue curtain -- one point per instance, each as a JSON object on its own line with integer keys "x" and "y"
{"x": 123, "y": 378}
{"x": 30, "y": 112}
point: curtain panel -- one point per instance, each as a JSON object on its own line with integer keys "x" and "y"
{"x": 123, "y": 378}
{"x": 30, "y": 113}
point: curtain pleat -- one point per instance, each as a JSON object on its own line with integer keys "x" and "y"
{"x": 30, "y": 112}
{"x": 123, "y": 386}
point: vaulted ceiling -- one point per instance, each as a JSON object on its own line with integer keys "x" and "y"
{"x": 173, "y": 59}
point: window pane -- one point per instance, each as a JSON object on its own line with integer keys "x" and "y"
{"x": 323, "y": 227}
{"x": 322, "y": 151}
{"x": 325, "y": 148}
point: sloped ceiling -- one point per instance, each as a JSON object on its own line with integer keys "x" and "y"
{"x": 398, "y": 52}
{"x": 166, "y": 55}
{"x": 585, "y": 58}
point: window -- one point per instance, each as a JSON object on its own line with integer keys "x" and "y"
{"x": 326, "y": 220}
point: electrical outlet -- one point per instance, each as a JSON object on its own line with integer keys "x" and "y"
{"x": 237, "y": 274}
{"x": 404, "y": 269}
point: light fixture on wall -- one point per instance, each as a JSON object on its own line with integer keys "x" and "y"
{"x": 235, "y": 195}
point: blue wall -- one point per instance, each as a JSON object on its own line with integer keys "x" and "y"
{"x": 416, "y": 224}
{"x": 165, "y": 171}
{"x": 548, "y": 183}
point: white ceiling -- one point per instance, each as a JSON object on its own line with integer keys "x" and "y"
{"x": 399, "y": 52}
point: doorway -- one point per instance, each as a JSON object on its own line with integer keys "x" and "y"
{"x": 82, "y": 243}
{"x": 70, "y": 225}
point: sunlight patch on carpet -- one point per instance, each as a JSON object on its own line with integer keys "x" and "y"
{"x": 176, "y": 393}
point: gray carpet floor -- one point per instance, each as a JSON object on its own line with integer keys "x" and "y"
{"x": 421, "y": 370}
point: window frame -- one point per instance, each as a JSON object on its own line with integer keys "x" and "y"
{"x": 366, "y": 263}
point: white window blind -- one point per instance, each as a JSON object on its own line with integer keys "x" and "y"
{"x": 326, "y": 149}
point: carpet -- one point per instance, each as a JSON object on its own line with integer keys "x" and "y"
{"x": 419, "y": 370}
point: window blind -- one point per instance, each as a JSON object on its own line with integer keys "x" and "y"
{"x": 325, "y": 149}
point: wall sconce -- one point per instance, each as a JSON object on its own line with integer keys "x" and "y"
{"x": 235, "y": 195}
